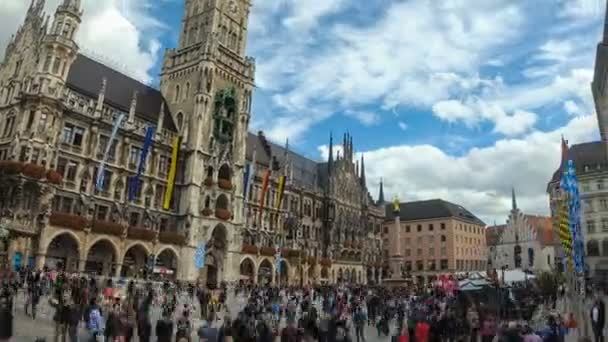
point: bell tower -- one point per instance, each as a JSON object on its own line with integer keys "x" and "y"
{"x": 207, "y": 82}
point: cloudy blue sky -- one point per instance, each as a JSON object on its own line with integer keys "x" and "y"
{"x": 457, "y": 99}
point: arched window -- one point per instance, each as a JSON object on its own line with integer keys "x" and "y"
{"x": 207, "y": 202}
{"x": 224, "y": 172}
{"x": 177, "y": 93}
{"x": 221, "y": 202}
{"x": 187, "y": 90}
{"x": 593, "y": 248}
{"x": 531, "y": 257}
{"x": 209, "y": 172}
{"x": 180, "y": 120}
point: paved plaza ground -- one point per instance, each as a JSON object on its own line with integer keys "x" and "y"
{"x": 27, "y": 330}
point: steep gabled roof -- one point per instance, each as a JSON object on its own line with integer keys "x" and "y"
{"x": 305, "y": 171}
{"x": 544, "y": 229}
{"x": 86, "y": 77}
{"x": 431, "y": 209}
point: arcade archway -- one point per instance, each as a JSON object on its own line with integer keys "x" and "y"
{"x": 101, "y": 259}
{"x": 63, "y": 253}
{"x": 247, "y": 270}
{"x": 166, "y": 264}
{"x": 134, "y": 262}
{"x": 215, "y": 257}
{"x": 283, "y": 273}
{"x": 265, "y": 273}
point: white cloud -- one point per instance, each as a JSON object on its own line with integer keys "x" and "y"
{"x": 402, "y": 125}
{"x": 364, "y": 117}
{"x": 324, "y": 151}
{"x": 435, "y": 53}
{"x": 476, "y": 111}
{"x": 482, "y": 178}
{"x": 517, "y": 123}
{"x": 453, "y": 111}
{"x": 572, "y": 108}
{"x": 119, "y": 30}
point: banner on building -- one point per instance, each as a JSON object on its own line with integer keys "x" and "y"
{"x": 172, "y": 173}
{"x": 135, "y": 182}
{"x": 101, "y": 171}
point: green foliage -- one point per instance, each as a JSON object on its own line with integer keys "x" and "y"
{"x": 224, "y": 113}
{"x": 548, "y": 283}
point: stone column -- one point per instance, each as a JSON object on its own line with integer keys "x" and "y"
{"x": 117, "y": 271}
{"x": 81, "y": 265}
{"x": 40, "y": 260}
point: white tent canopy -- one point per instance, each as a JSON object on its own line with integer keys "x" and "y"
{"x": 515, "y": 276}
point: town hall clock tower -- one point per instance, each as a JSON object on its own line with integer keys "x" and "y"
{"x": 207, "y": 82}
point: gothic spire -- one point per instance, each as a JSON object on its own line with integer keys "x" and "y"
{"x": 605, "y": 37}
{"x": 363, "y": 182}
{"x": 330, "y": 158}
{"x": 513, "y": 200}
{"x": 381, "y": 194}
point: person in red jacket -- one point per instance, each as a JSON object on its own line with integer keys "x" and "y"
{"x": 422, "y": 331}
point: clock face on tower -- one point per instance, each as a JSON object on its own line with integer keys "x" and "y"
{"x": 233, "y": 7}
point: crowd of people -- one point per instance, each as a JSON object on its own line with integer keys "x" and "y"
{"x": 125, "y": 311}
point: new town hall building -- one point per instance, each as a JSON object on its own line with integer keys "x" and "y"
{"x": 57, "y": 109}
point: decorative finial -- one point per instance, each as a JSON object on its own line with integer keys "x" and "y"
{"x": 396, "y": 205}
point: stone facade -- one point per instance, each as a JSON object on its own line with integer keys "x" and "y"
{"x": 328, "y": 226}
{"x": 57, "y": 108}
{"x": 437, "y": 237}
{"x": 526, "y": 242}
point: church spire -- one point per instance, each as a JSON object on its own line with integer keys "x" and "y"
{"x": 605, "y": 37}
{"x": 330, "y": 158}
{"x": 513, "y": 200}
{"x": 381, "y": 194}
{"x": 363, "y": 182}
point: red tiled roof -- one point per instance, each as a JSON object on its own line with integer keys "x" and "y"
{"x": 544, "y": 229}
{"x": 493, "y": 234}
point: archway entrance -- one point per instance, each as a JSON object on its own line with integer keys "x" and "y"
{"x": 311, "y": 274}
{"x": 101, "y": 259}
{"x": 63, "y": 253}
{"x": 247, "y": 270}
{"x": 324, "y": 273}
{"x": 134, "y": 263}
{"x": 283, "y": 272}
{"x": 265, "y": 273}
{"x": 166, "y": 264}
{"x": 214, "y": 260}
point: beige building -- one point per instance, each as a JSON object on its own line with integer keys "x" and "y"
{"x": 591, "y": 162}
{"x": 436, "y": 237}
{"x": 57, "y": 108}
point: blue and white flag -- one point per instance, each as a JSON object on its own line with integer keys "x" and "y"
{"x": 102, "y": 167}
{"x": 248, "y": 176}
{"x": 278, "y": 260}
{"x": 134, "y": 182}
{"x": 199, "y": 257}
{"x": 574, "y": 206}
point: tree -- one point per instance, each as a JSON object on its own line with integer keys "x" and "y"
{"x": 548, "y": 283}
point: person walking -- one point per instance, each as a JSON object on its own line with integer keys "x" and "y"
{"x": 6, "y": 314}
{"x": 359, "y": 319}
{"x": 598, "y": 319}
{"x": 164, "y": 328}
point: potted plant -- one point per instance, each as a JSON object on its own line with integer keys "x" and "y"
{"x": 54, "y": 177}
{"x": 223, "y": 214}
{"x": 225, "y": 184}
{"x": 66, "y": 220}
